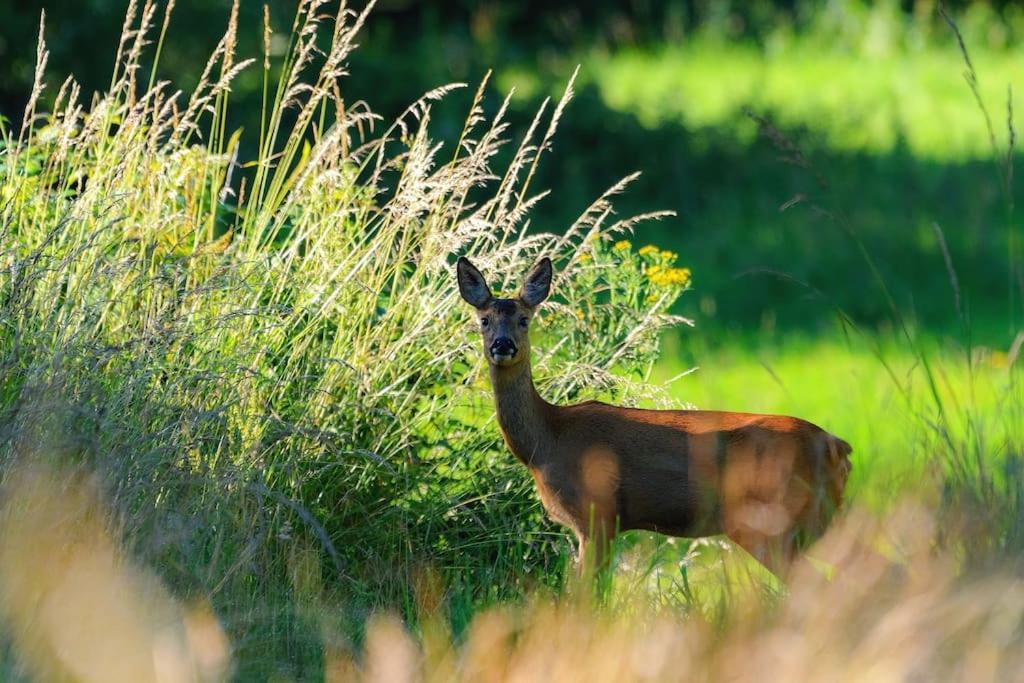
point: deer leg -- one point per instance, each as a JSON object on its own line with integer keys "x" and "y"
{"x": 595, "y": 545}
{"x": 593, "y": 554}
{"x": 775, "y": 552}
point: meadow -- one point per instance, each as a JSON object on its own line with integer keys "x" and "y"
{"x": 246, "y": 431}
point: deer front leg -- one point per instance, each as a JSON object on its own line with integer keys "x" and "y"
{"x": 595, "y": 545}
{"x": 598, "y": 484}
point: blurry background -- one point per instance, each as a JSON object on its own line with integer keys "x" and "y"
{"x": 871, "y": 92}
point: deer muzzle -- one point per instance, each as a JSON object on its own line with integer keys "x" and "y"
{"x": 503, "y": 349}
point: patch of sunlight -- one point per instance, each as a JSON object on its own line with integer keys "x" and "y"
{"x": 874, "y": 103}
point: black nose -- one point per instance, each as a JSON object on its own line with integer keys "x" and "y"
{"x": 503, "y": 346}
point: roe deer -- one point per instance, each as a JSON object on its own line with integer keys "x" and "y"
{"x": 764, "y": 481}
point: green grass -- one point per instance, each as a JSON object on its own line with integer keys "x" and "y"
{"x": 275, "y": 377}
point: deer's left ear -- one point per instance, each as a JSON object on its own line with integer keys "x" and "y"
{"x": 538, "y": 284}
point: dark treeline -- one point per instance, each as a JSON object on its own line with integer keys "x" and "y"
{"x": 468, "y": 34}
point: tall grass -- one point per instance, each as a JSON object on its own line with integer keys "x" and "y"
{"x": 267, "y": 361}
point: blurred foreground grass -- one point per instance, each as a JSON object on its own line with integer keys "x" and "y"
{"x": 884, "y": 599}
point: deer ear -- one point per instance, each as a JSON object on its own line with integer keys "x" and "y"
{"x": 538, "y": 283}
{"x": 472, "y": 285}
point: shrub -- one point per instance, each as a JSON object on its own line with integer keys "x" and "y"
{"x": 267, "y": 360}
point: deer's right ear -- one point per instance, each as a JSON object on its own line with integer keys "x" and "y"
{"x": 472, "y": 285}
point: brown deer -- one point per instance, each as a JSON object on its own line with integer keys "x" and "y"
{"x": 765, "y": 481}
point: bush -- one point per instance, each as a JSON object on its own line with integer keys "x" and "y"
{"x": 268, "y": 361}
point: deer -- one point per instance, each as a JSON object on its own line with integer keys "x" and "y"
{"x": 769, "y": 483}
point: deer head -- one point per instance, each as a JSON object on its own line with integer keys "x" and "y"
{"x": 505, "y": 323}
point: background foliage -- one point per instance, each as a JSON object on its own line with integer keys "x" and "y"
{"x": 870, "y": 91}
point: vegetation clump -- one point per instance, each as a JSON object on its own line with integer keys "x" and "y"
{"x": 264, "y": 359}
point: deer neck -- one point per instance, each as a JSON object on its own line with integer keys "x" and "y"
{"x": 522, "y": 413}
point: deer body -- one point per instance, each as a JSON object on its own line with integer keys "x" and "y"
{"x": 765, "y": 481}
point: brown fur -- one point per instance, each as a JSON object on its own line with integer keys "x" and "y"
{"x": 765, "y": 481}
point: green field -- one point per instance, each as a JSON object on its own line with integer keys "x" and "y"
{"x": 243, "y": 412}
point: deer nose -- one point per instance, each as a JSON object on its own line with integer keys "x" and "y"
{"x": 503, "y": 348}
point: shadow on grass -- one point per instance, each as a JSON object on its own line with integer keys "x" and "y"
{"x": 760, "y": 231}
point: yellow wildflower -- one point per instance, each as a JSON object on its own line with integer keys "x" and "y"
{"x": 585, "y": 257}
{"x": 648, "y": 249}
{"x": 621, "y": 245}
{"x": 667, "y": 277}
{"x": 580, "y": 314}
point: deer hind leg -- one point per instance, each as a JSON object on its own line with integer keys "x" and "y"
{"x": 775, "y": 552}
{"x": 765, "y": 530}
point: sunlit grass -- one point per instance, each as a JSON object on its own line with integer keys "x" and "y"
{"x": 911, "y": 99}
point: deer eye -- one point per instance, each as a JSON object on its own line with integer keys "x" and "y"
{"x": 484, "y": 322}
{"x": 524, "y": 321}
